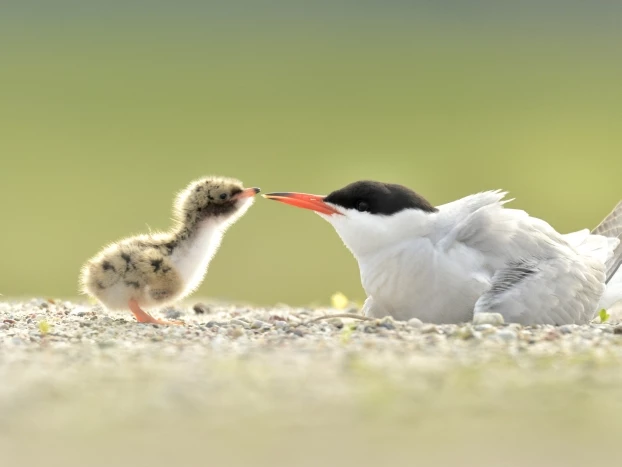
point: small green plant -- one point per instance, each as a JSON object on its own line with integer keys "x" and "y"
{"x": 339, "y": 301}
{"x": 346, "y": 334}
{"x": 603, "y": 315}
{"x": 44, "y": 327}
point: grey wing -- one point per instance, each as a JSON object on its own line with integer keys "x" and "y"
{"x": 537, "y": 277}
{"x": 500, "y": 234}
{"x": 611, "y": 226}
{"x": 544, "y": 291}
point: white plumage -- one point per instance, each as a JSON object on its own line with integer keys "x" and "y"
{"x": 473, "y": 255}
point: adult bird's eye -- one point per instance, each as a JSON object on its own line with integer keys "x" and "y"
{"x": 223, "y": 196}
{"x": 362, "y": 206}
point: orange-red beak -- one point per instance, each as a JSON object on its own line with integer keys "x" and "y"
{"x": 247, "y": 193}
{"x": 305, "y": 201}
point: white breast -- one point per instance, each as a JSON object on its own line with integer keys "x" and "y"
{"x": 416, "y": 279}
{"x": 193, "y": 256}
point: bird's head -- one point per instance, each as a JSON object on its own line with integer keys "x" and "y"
{"x": 367, "y": 215}
{"x": 220, "y": 199}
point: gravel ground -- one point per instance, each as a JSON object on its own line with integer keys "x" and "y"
{"x": 253, "y": 386}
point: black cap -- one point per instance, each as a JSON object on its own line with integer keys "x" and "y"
{"x": 378, "y": 198}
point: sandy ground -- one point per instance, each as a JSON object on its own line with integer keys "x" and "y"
{"x": 265, "y": 387}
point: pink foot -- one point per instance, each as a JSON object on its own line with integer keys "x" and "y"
{"x": 144, "y": 317}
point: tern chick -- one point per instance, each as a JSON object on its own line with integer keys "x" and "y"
{"x": 157, "y": 269}
{"x": 443, "y": 264}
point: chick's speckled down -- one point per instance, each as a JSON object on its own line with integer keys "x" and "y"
{"x": 157, "y": 269}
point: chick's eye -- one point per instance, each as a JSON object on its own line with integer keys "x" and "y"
{"x": 362, "y": 206}
{"x": 223, "y": 196}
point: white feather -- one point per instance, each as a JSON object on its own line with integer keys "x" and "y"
{"x": 442, "y": 267}
{"x": 192, "y": 257}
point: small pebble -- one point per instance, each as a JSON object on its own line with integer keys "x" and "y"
{"x": 415, "y": 323}
{"x": 239, "y": 322}
{"x": 496, "y": 319}
{"x": 201, "y": 309}
{"x": 173, "y": 314}
{"x": 336, "y": 322}
{"x": 567, "y": 328}
{"x": 506, "y": 335}
{"x": 429, "y": 328}
{"x": 257, "y": 324}
{"x": 554, "y": 334}
{"x": 236, "y": 332}
{"x": 465, "y": 333}
{"x": 387, "y": 322}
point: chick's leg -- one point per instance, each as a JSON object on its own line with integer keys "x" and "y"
{"x": 161, "y": 283}
{"x": 144, "y": 317}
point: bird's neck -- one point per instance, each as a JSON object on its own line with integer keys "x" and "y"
{"x": 367, "y": 236}
{"x": 188, "y": 234}
{"x": 193, "y": 248}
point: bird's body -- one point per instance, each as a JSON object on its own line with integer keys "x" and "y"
{"x": 473, "y": 255}
{"x": 154, "y": 270}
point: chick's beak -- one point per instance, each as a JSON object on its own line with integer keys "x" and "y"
{"x": 247, "y": 193}
{"x": 305, "y": 201}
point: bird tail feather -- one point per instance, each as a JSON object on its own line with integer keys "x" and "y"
{"x": 611, "y": 227}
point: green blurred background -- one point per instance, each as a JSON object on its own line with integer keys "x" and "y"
{"x": 108, "y": 108}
